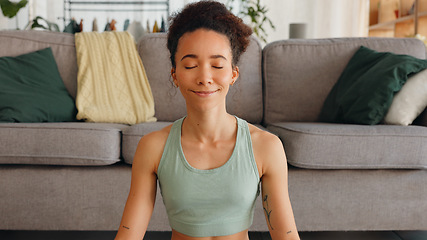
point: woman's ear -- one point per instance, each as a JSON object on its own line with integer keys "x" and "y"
{"x": 173, "y": 74}
{"x": 235, "y": 74}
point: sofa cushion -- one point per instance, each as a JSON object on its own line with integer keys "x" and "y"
{"x": 300, "y": 73}
{"x": 341, "y": 146}
{"x": 73, "y": 143}
{"x": 245, "y": 97}
{"x": 32, "y": 90}
{"x": 132, "y": 135}
{"x": 365, "y": 89}
{"x": 409, "y": 102}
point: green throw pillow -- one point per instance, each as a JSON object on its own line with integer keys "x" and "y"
{"x": 31, "y": 90}
{"x": 365, "y": 89}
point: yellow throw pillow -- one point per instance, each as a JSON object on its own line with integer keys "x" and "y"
{"x": 112, "y": 86}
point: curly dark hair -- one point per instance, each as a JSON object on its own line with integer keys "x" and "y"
{"x": 209, "y": 15}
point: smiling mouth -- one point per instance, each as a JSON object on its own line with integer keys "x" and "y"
{"x": 204, "y": 93}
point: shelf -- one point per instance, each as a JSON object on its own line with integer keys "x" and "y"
{"x": 120, "y": 2}
{"x": 114, "y": 10}
{"x": 88, "y": 7}
{"x": 390, "y": 24}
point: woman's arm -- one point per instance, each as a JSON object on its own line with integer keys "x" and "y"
{"x": 142, "y": 194}
{"x": 275, "y": 197}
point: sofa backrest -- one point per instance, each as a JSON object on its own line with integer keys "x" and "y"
{"x": 299, "y": 74}
{"x": 14, "y": 43}
{"x": 244, "y": 98}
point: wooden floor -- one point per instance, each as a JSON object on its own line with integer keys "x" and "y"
{"x": 106, "y": 235}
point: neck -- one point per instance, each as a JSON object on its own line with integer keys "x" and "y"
{"x": 206, "y": 127}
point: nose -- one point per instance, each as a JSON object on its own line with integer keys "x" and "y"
{"x": 205, "y": 76}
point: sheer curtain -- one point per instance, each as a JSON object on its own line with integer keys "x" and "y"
{"x": 324, "y": 18}
{"x": 341, "y": 18}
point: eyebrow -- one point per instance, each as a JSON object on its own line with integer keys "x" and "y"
{"x": 195, "y": 56}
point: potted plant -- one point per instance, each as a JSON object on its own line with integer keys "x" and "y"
{"x": 257, "y": 13}
{"x": 41, "y": 23}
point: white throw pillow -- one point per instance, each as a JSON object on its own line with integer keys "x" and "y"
{"x": 409, "y": 102}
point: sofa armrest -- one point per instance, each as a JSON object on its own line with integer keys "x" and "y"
{"x": 421, "y": 119}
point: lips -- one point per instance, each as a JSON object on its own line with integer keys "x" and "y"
{"x": 204, "y": 93}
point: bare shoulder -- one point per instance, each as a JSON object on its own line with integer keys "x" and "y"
{"x": 150, "y": 148}
{"x": 268, "y": 149}
{"x": 263, "y": 139}
{"x": 154, "y": 139}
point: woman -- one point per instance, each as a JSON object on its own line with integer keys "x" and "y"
{"x": 209, "y": 164}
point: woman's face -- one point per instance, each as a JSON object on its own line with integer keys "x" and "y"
{"x": 204, "y": 70}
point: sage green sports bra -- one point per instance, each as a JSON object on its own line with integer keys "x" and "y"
{"x": 214, "y": 202}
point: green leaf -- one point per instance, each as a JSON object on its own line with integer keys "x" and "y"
{"x": 10, "y": 9}
{"x": 38, "y": 23}
{"x": 257, "y": 14}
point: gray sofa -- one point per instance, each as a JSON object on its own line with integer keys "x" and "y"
{"x": 76, "y": 175}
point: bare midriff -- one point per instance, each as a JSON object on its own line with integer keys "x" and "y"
{"x": 237, "y": 236}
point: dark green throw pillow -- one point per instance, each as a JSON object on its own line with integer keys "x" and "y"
{"x": 31, "y": 90}
{"x": 365, "y": 90}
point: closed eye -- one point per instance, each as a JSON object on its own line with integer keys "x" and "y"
{"x": 190, "y": 67}
{"x": 217, "y": 67}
